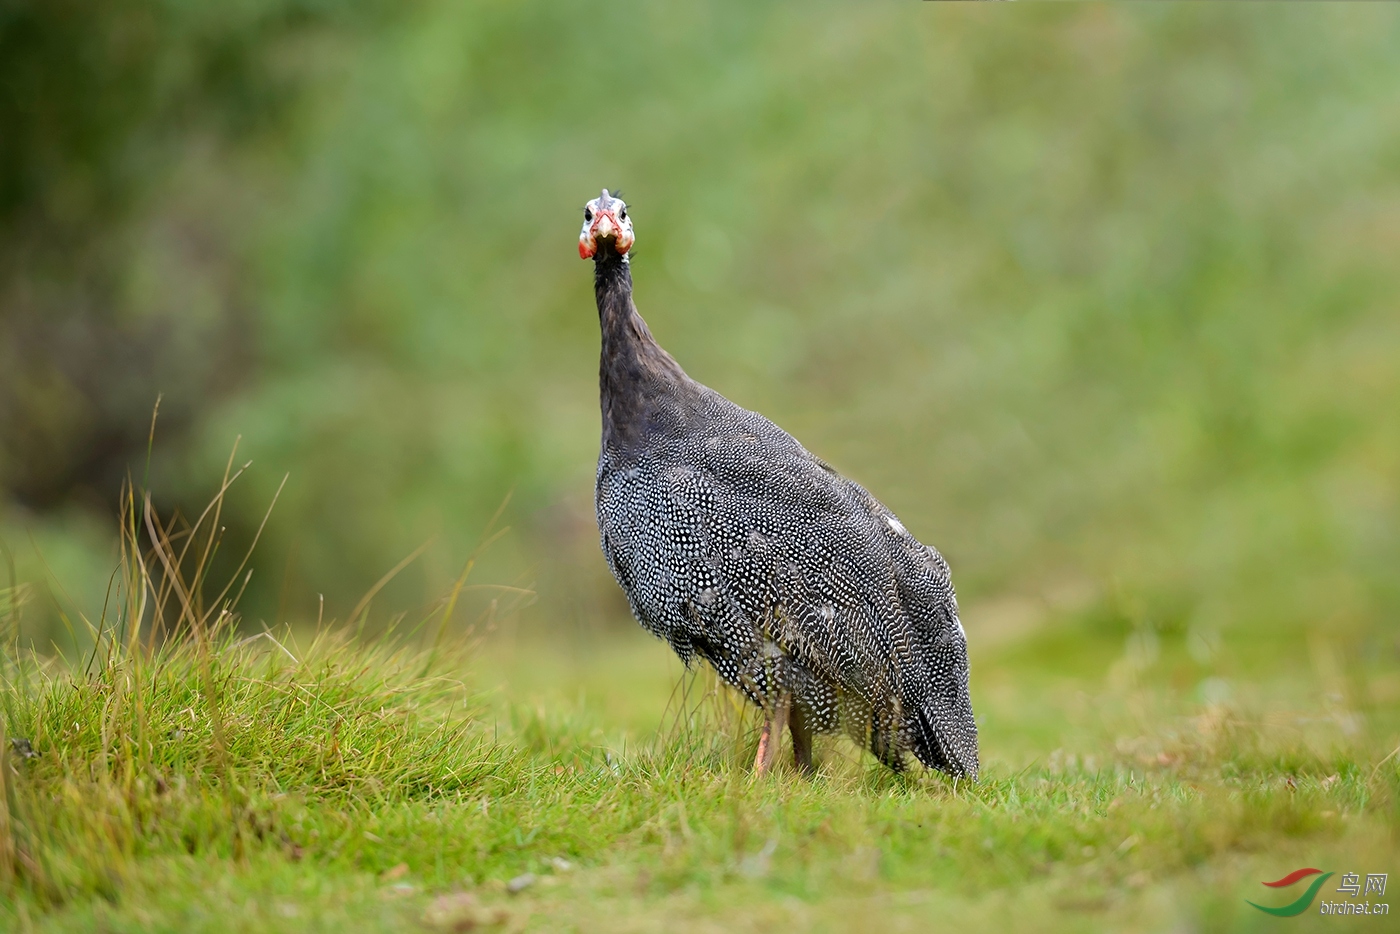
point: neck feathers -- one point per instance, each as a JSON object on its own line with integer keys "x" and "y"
{"x": 635, "y": 376}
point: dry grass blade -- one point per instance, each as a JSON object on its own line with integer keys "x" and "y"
{"x": 363, "y": 605}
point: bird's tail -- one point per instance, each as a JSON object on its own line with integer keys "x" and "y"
{"x": 942, "y": 728}
{"x": 948, "y": 747}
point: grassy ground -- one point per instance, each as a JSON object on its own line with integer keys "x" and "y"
{"x": 186, "y": 776}
{"x": 330, "y": 784}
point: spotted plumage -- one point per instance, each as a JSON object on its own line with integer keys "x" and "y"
{"x": 738, "y": 546}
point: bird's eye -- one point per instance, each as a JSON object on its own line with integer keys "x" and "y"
{"x": 588, "y": 214}
{"x": 622, "y": 215}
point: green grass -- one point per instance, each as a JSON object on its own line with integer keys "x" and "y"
{"x": 331, "y": 783}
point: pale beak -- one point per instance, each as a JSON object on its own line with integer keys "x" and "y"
{"x": 605, "y": 228}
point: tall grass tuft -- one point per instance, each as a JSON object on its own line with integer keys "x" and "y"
{"x": 179, "y": 734}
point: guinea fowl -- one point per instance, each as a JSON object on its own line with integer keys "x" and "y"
{"x": 735, "y": 544}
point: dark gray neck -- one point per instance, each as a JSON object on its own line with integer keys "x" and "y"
{"x": 635, "y": 376}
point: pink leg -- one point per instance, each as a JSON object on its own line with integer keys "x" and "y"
{"x": 772, "y": 738}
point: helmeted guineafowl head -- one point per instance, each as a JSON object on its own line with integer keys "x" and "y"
{"x": 606, "y": 226}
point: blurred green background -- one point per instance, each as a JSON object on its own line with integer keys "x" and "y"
{"x": 1103, "y": 300}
